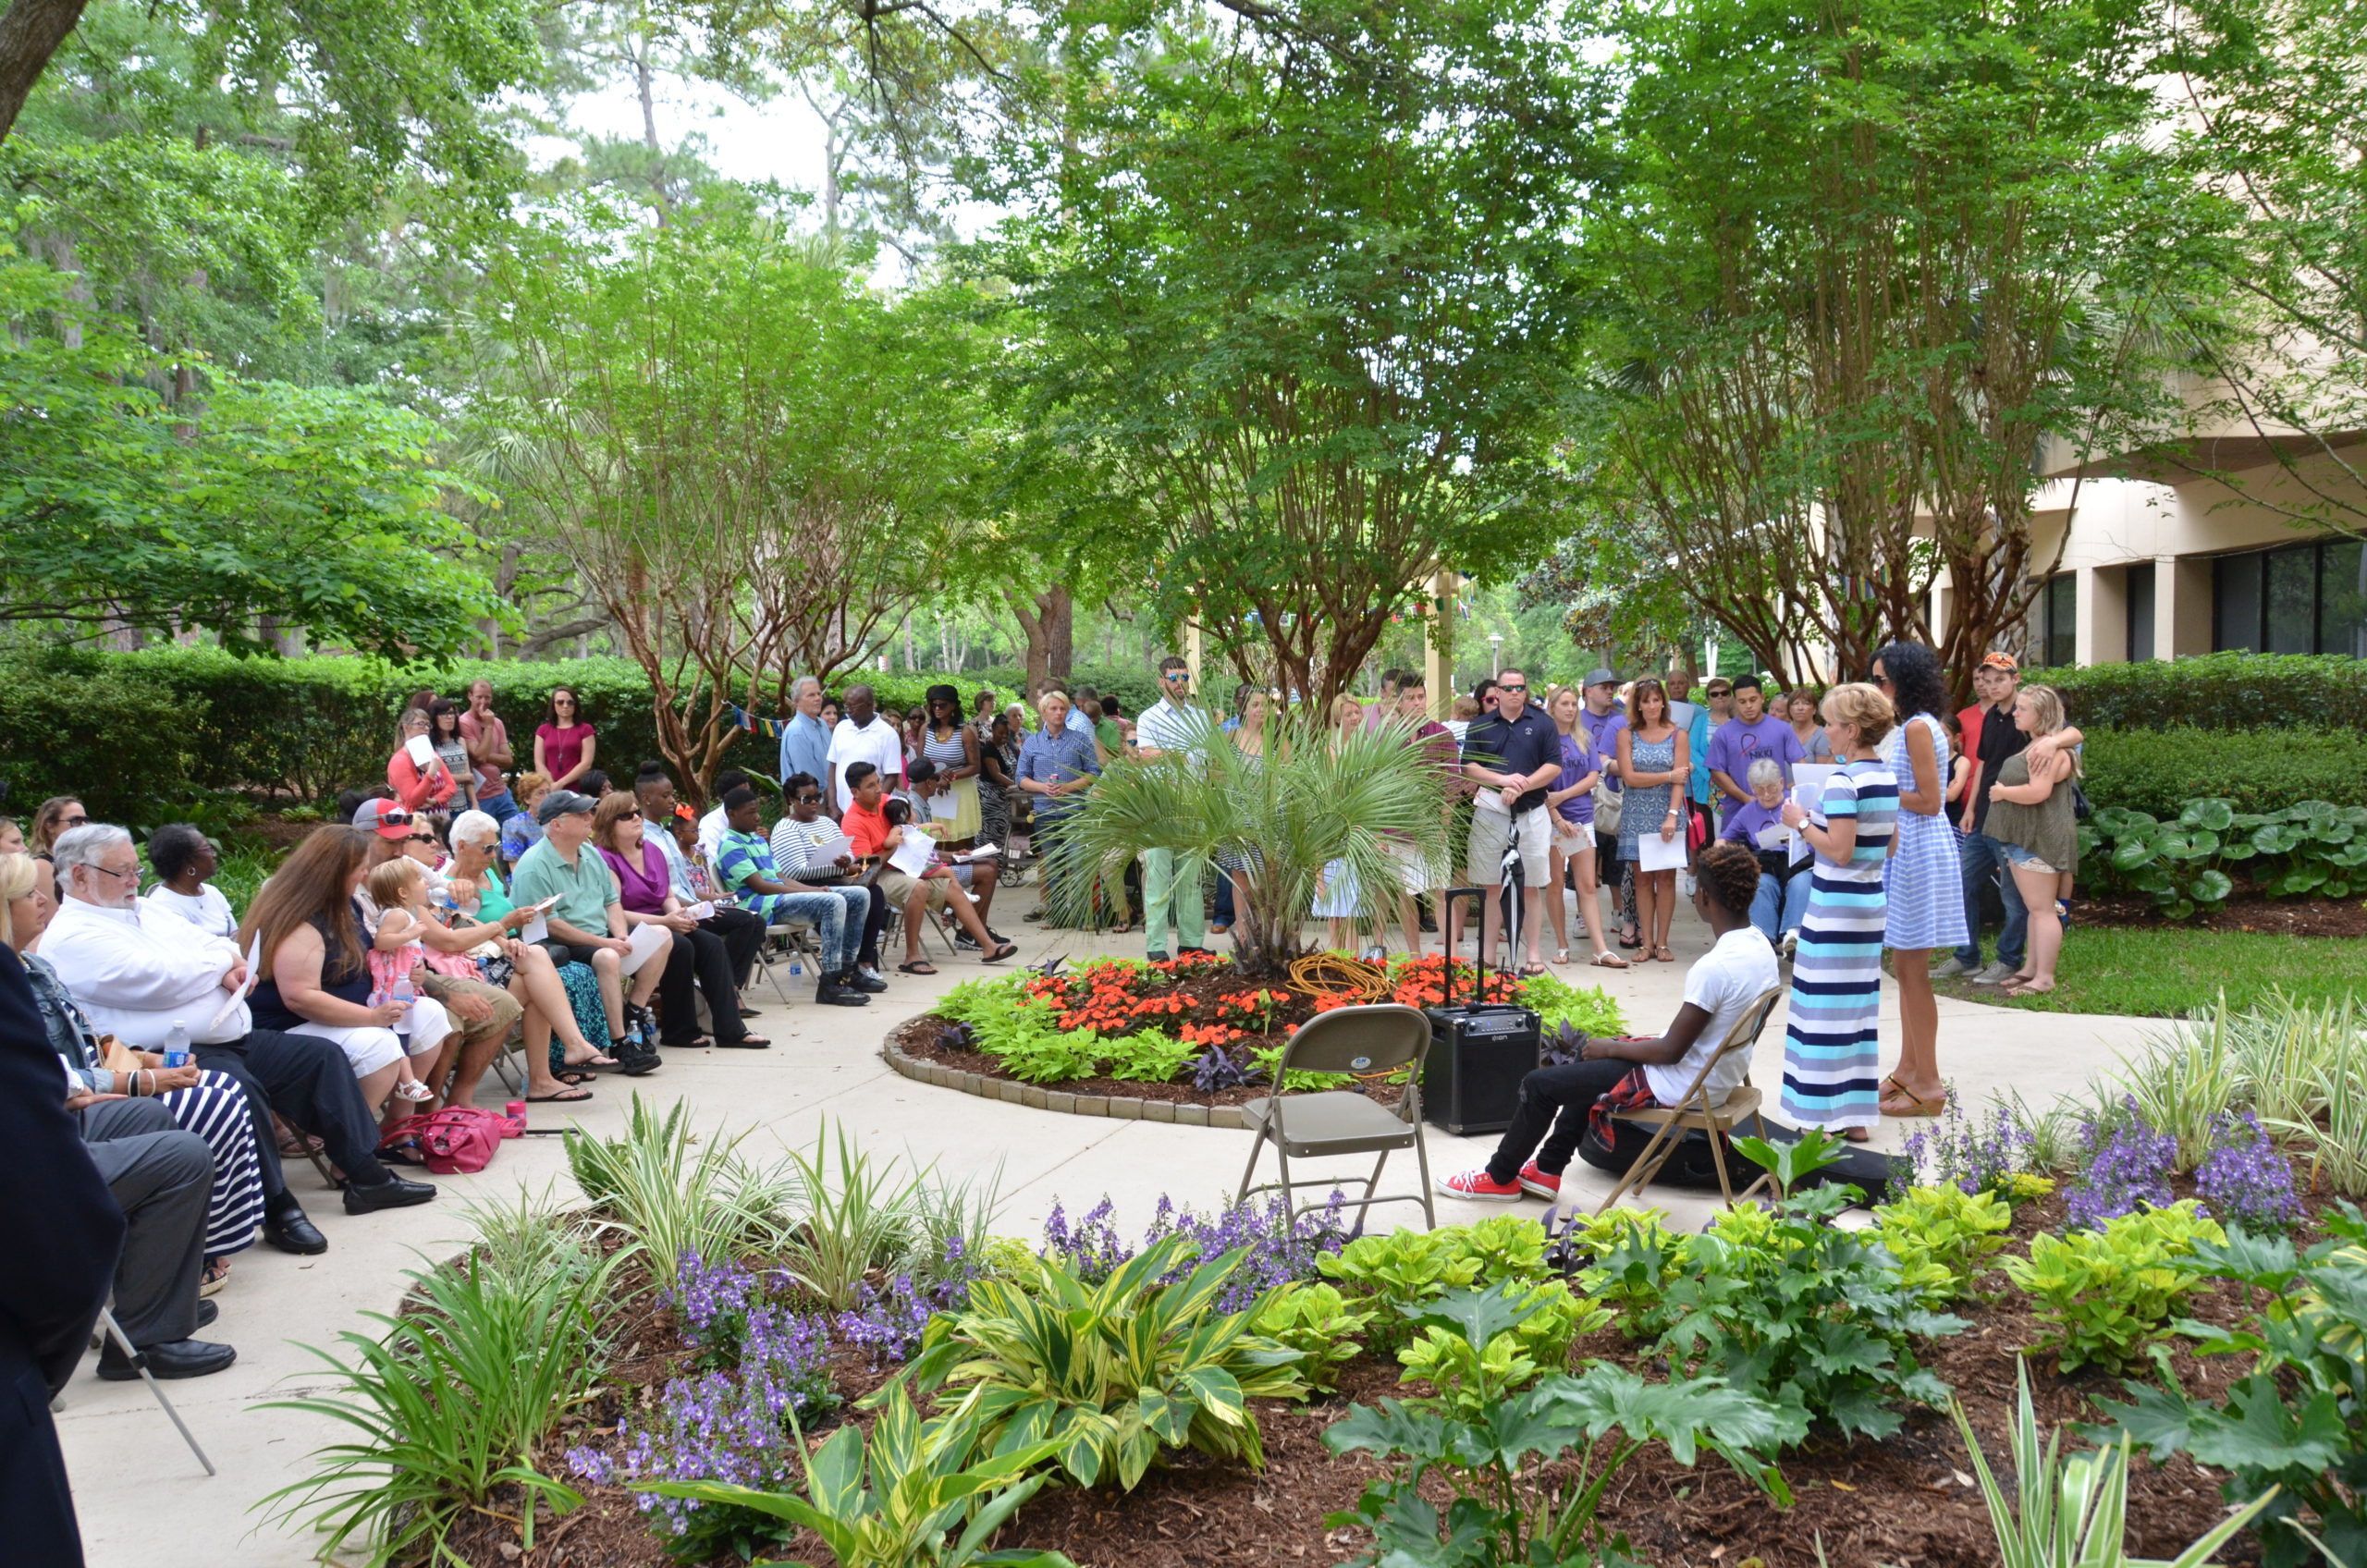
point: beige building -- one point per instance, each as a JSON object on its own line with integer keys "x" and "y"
{"x": 2169, "y": 565}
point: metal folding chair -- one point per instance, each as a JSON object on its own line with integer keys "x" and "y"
{"x": 1695, "y": 1113}
{"x": 1370, "y": 1042}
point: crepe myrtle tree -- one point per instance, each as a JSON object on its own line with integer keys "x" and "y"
{"x": 1301, "y": 281}
{"x": 1370, "y": 798}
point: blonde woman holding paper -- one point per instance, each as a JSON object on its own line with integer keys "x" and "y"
{"x": 1655, "y": 759}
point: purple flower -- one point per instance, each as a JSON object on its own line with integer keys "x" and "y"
{"x": 1280, "y": 1249}
{"x": 2243, "y": 1180}
{"x": 1089, "y": 1249}
{"x": 2127, "y": 1166}
{"x": 1975, "y": 1157}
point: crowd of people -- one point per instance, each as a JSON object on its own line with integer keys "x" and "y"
{"x": 479, "y": 895}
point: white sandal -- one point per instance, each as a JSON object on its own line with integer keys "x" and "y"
{"x": 413, "y": 1090}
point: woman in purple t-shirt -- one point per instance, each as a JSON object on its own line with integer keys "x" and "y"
{"x": 1571, "y": 801}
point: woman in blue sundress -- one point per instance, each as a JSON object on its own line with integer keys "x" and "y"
{"x": 1831, "y": 1053}
{"x": 1924, "y": 880}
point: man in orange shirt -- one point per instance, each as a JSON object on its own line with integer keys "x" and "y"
{"x": 867, "y": 826}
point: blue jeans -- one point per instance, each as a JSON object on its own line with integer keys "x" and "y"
{"x": 501, "y": 807}
{"x": 1983, "y": 859}
{"x": 1224, "y": 900}
{"x": 1788, "y": 898}
{"x": 837, "y": 917}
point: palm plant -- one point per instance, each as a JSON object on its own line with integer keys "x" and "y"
{"x": 1369, "y": 799}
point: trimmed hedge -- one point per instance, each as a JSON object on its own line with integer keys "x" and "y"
{"x": 136, "y": 736}
{"x": 2218, "y": 691}
{"x": 2158, "y": 771}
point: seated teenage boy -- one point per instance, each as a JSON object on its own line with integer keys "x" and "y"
{"x": 878, "y": 825}
{"x": 1555, "y": 1102}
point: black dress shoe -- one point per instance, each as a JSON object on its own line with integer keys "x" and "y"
{"x": 207, "y": 1311}
{"x": 393, "y": 1193}
{"x": 290, "y": 1230}
{"x": 181, "y": 1358}
{"x": 828, "y": 995}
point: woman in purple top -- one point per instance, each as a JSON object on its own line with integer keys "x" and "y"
{"x": 1571, "y": 801}
{"x": 1758, "y": 826}
{"x": 646, "y": 891}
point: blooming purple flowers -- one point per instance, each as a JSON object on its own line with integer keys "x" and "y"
{"x": 1280, "y": 1249}
{"x": 2124, "y": 1164}
{"x": 2244, "y": 1181}
{"x": 1976, "y": 1156}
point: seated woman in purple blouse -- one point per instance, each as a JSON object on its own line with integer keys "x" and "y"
{"x": 647, "y": 894}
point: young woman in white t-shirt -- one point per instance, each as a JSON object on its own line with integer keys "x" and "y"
{"x": 184, "y": 858}
{"x": 1555, "y": 1102}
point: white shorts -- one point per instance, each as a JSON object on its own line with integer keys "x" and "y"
{"x": 1492, "y": 830}
{"x": 369, "y": 1047}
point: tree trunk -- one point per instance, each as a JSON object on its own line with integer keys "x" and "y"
{"x": 30, "y": 31}
{"x": 1048, "y": 621}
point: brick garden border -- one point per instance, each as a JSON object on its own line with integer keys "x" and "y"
{"x": 1123, "y": 1108}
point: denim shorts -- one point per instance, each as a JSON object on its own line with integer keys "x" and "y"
{"x": 2020, "y": 858}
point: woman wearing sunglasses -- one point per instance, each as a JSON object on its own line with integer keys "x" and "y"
{"x": 55, "y": 817}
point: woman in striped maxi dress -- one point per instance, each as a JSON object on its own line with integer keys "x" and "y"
{"x": 1831, "y": 1053}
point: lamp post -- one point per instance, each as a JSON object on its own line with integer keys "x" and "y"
{"x": 1496, "y": 653}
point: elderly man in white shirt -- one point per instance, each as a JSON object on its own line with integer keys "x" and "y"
{"x": 1171, "y": 892}
{"x": 136, "y": 972}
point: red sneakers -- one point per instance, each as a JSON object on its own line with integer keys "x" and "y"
{"x": 1476, "y": 1184}
{"x": 1539, "y": 1184}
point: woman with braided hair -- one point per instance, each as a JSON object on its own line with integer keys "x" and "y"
{"x": 1557, "y": 1102}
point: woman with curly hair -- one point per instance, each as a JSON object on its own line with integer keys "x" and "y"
{"x": 1922, "y": 883}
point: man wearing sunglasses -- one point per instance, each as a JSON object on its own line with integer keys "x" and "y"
{"x": 1512, "y": 755}
{"x": 797, "y": 843}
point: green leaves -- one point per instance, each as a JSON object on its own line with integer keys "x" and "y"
{"x": 1108, "y": 1374}
{"x": 2106, "y": 1292}
{"x": 892, "y": 1502}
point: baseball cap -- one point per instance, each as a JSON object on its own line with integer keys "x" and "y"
{"x": 2000, "y": 660}
{"x": 1600, "y": 677}
{"x": 562, "y": 802}
{"x": 386, "y": 818}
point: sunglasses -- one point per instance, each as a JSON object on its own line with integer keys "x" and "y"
{"x": 73, "y": 820}
{"x": 809, "y": 800}
{"x": 1510, "y": 687}
{"x": 421, "y": 839}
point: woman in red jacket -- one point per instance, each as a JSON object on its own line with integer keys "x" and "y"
{"x": 427, "y": 786}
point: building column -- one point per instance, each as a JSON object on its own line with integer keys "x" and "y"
{"x": 2181, "y": 606}
{"x": 2102, "y": 634}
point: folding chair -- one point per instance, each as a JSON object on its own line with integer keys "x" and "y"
{"x": 789, "y": 934}
{"x": 140, "y": 1364}
{"x": 1369, "y": 1042}
{"x": 1695, "y": 1113}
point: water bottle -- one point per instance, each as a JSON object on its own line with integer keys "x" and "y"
{"x": 177, "y": 1051}
{"x": 796, "y": 964}
{"x": 400, "y": 991}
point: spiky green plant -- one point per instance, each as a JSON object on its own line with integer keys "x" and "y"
{"x": 1370, "y": 798}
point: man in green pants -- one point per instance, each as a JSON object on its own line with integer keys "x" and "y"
{"x": 1171, "y": 888}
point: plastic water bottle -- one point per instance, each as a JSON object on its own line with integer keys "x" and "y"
{"x": 796, "y": 964}
{"x": 177, "y": 1051}
{"x": 401, "y": 991}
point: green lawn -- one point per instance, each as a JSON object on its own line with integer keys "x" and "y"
{"x": 2164, "y": 971}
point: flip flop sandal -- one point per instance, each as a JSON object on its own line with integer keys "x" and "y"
{"x": 216, "y": 1275}
{"x": 565, "y": 1096}
{"x": 301, "y": 1147}
{"x": 1001, "y": 953}
{"x": 572, "y": 1078}
{"x": 746, "y": 1043}
{"x": 1560, "y": 955}
{"x": 1609, "y": 961}
{"x": 1922, "y": 1107}
{"x": 1531, "y": 971}
{"x": 923, "y": 967}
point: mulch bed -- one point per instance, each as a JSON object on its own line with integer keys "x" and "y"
{"x": 2290, "y": 918}
{"x": 926, "y": 1037}
{"x": 1904, "y": 1500}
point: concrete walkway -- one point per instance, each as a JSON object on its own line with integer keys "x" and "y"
{"x": 143, "y": 1499}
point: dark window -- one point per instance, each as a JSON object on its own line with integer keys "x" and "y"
{"x": 2342, "y": 600}
{"x": 2293, "y": 600}
{"x": 2140, "y": 611}
{"x": 2059, "y": 620}
{"x": 2235, "y": 603}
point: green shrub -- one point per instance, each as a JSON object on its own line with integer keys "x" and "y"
{"x": 2159, "y": 769}
{"x": 1113, "y": 1371}
{"x": 2188, "y": 864}
{"x": 138, "y": 735}
{"x": 1317, "y": 1321}
{"x": 1478, "y": 1346}
{"x": 2218, "y": 691}
{"x": 1943, "y": 1237}
{"x": 2298, "y": 1420}
{"x": 2108, "y": 1292}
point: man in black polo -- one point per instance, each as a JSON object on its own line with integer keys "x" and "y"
{"x": 1512, "y": 753}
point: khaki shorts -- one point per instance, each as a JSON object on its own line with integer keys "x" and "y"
{"x": 898, "y": 887}
{"x": 1491, "y": 830}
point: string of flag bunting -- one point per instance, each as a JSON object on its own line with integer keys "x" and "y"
{"x": 756, "y": 723}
